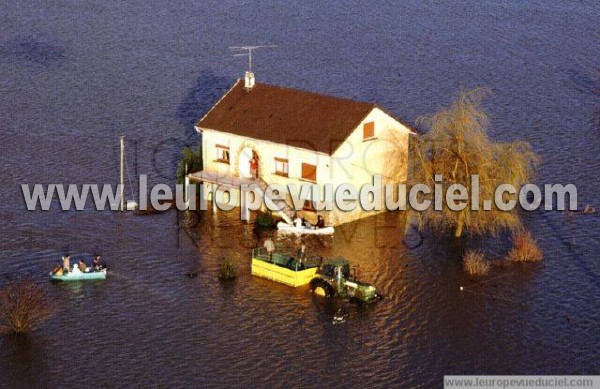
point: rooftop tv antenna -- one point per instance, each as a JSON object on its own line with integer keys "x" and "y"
{"x": 246, "y": 51}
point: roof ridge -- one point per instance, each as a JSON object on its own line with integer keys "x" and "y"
{"x": 316, "y": 94}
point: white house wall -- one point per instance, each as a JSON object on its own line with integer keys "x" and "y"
{"x": 354, "y": 162}
{"x": 357, "y": 160}
{"x": 267, "y": 152}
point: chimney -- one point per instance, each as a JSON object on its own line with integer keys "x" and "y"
{"x": 249, "y": 80}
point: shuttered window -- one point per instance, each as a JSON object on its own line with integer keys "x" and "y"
{"x": 309, "y": 172}
{"x": 222, "y": 154}
{"x": 369, "y": 130}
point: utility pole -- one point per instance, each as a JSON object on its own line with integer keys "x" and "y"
{"x": 122, "y": 186}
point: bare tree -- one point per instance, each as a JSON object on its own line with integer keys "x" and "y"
{"x": 24, "y": 306}
{"x": 456, "y": 147}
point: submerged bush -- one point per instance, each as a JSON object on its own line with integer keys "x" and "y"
{"x": 227, "y": 271}
{"x": 24, "y": 306}
{"x": 264, "y": 220}
{"x": 474, "y": 263}
{"x": 525, "y": 248}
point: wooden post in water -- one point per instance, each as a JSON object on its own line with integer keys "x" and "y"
{"x": 122, "y": 186}
{"x": 186, "y": 188}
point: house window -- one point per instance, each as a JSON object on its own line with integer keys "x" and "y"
{"x": 309, "y": 172}
{"x": 309, "y": 206}
{"x": 222, "y": 154}
{"x": 369, "y": 131}
{"x": 281, "y": 167}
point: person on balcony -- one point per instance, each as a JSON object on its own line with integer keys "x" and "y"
{"x": 254, "y": 167}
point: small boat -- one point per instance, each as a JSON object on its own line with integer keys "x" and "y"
{"x": 292, "y": 229}
{"x": 80, "y": 276}
{"x": 282, "y": 267}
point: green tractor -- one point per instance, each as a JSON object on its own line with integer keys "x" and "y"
{"x": 335, "y": 278}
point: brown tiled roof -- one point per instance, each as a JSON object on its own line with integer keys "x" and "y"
{"x": 287, "y": 116}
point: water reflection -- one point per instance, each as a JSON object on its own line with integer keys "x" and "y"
{"x": 24, "y": 360}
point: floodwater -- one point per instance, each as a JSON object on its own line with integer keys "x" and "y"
{"x": 76, "y": 75}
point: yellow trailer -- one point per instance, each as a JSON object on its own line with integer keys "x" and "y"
{"x": 282, "y": 267}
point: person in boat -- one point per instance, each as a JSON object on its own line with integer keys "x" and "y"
{"x": 290, "y": 213}
{"x": 66, "y": 263}
{"x": 76, "y": 269}
{"x": 320, "y": 222}
{"x": 96, "y": 264}
{"x": 298, "y": 221}
{"x": 58, "y": 270}
{"x": 306, "y": 224}
{"x": 82, "y": 265}
{"x": 270, "y": 246}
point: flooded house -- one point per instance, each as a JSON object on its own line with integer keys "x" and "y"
{"x": 265, "y": 134}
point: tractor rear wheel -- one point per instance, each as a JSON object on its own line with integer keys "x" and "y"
{"x": 321, "y": 288}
